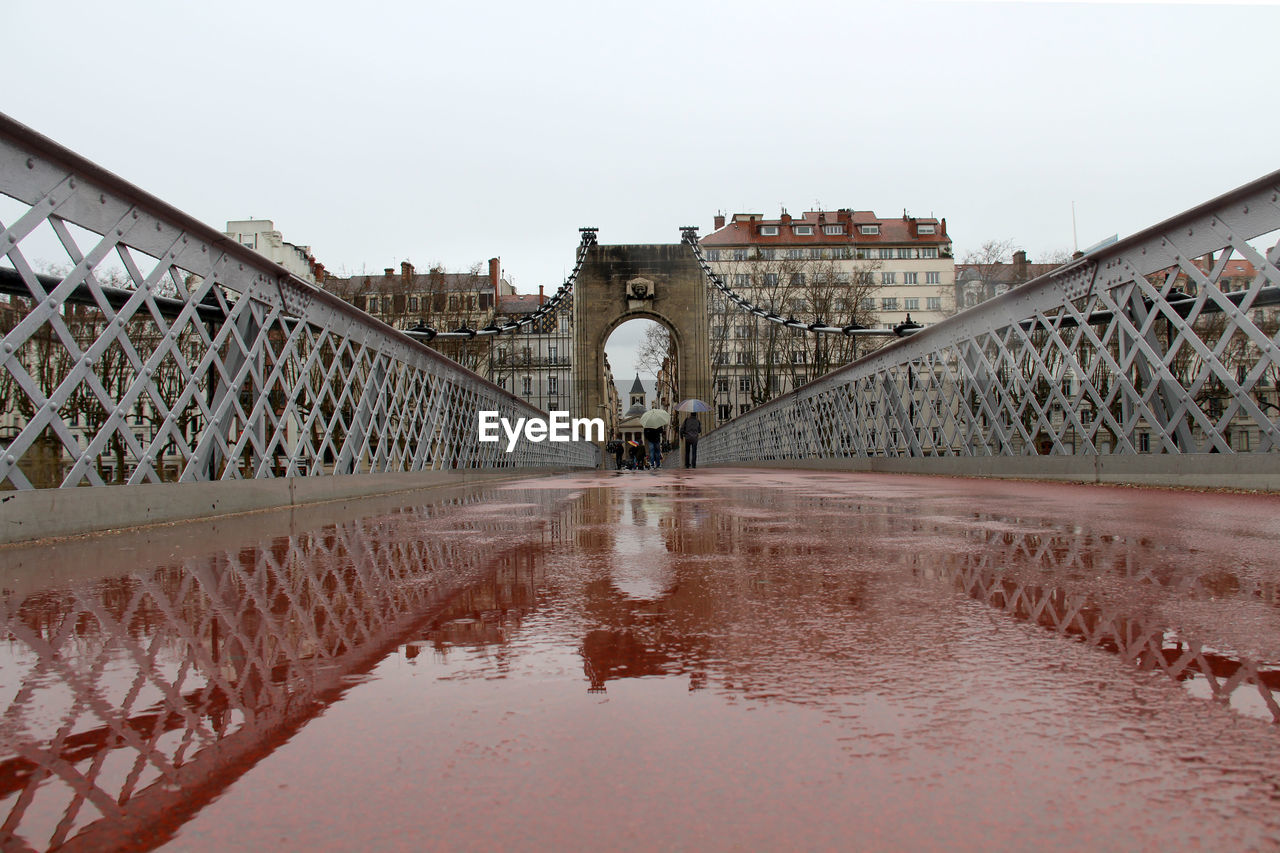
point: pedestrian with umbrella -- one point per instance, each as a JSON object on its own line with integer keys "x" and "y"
{"x": 691, "y": 429}
{"x": 653, "y": 421}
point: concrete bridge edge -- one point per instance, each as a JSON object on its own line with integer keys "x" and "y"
{"x": 27, "y": 516}
{"x": 1245, "y": 471}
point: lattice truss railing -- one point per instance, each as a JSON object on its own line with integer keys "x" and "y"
{"x": 1145, "y": 346}
{"x": 161, "y": 350}
{"x": 139, "y": 697}
{"x": 1053, "y": 579}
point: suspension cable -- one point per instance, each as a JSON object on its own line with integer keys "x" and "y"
{"x": 424, "y": 332}
{"x": 689, "y": 235}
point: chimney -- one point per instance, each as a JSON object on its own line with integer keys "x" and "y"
{"x": 388, "y": 272}
{"x": 719, "y": 221}
{"x": 1020, "y": 265}
{"x": 786, "y": 217}
{"x": 406, "y": 272}
{"x": 495, "y": 277}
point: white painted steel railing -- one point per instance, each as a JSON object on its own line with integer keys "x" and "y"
{"x": 1153, "y": 345}
{"x": 161, "y": 350}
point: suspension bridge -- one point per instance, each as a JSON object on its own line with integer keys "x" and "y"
{"x": 314, "y": 534}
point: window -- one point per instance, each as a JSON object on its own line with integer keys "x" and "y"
{"x": 798, "y": 357}
{"x": 771, "y": 279}
{"x": 720, "y": 331}
{"x": 768, "y": 230}
{"x": 911, "y": 304}
{"x": 743, "y": 408}
{"x": 797, "y": 279}
{"x": 1144, "y": 442}
{"x": 833, "y": 229}
{"x": 740, "y": 254}
{"x": 744, "y": 383}
{"x": 526, "y": 385}
{"x": 868, "y": 303}
{"x": 413, "y": 303}
{"x": 843, "y": 278}
{"x": 801, "y": 378}
{"x": 724, "y": 411}
{"x": 888, "y": 278}
{"x": 453, "y": 303}
{"x": 909, "y": 278}
{"x": 797, "y": 305}
{"x": 553, "y": 384}
{"x": 906, "y": 254}
{"x": 768, "y": 254}
{"x": 926, "y": 229}
{"x": 889, "y": 303}
{"x": 870, "y": 229}
{"x": 793, "y": 254}
{"x": 740, "y": 358}
{"x": 722, "y": 384}
{"x": 720, "y": 358}
{"x": 929, "y": 253}
{"x": 933, "y": 278}
{"x": 803, "y": 230}
{"x": 713, "y": 254}
{"x": 740, "y": 279}
{"x": 843, "y": 253}
{"x": 743, "y": 330}
{"x": 933, "y": 303}
{"x": 884, "y": 254}
{"x": 551, "y": 355}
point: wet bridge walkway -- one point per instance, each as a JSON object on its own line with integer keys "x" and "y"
{"x": 708, "y": 659}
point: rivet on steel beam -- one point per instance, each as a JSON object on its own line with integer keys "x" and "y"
{"x": 102, "y": 198}
{"x": 10, "y": 459}
{"x": 119, "y": 232}
{"x": 135, "y": 214}
{"x": 31, "y": 164}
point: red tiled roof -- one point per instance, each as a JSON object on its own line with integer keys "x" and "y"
{"x": 744, "y": 230}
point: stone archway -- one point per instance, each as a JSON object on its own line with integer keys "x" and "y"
{"x": 649, "y": 282}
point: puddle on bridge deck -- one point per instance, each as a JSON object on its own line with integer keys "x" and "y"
{"x": 705, "y": 660}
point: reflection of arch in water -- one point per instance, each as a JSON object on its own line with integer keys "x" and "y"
{"x": 189, "y": 674}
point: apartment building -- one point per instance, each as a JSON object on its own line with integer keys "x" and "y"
{"x": 840, "y": 267}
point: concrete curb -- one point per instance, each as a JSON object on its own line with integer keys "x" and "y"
{"x": 1254, "y": 471}
{"x": 26, "y": 516}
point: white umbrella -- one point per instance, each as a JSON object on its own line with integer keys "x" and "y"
{"x": 693, "y": 405}
{"x": 654, "y": 418}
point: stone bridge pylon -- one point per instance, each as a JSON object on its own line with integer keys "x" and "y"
{"x": 656, "y": 282}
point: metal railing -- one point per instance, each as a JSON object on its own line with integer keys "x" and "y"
{"x": 1142, "y": 347}
{"x": 162, "y": 350}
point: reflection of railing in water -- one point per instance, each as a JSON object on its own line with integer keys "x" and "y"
{"x": 142, "y": 697}
{"x": 1053, "y": 596}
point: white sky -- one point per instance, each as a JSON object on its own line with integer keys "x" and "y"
{"x": 450, "y": 132}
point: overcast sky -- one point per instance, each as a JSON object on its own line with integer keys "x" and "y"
{"x": 449, "y": 132}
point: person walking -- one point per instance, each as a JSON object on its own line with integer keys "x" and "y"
{"x": 653, "y": 439}
{"x": 690, "y": 430}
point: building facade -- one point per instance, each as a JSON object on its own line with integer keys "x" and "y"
{"x": 261, "y": 236}
{"x": 837, "y": 267}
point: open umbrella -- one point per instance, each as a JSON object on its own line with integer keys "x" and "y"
{"x": 654, "y": 419}
{"x": 692, "y": 405}
{"x": 633, "y": 443}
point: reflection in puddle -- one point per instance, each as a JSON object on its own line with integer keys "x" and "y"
{"x": 836, "y": 640}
